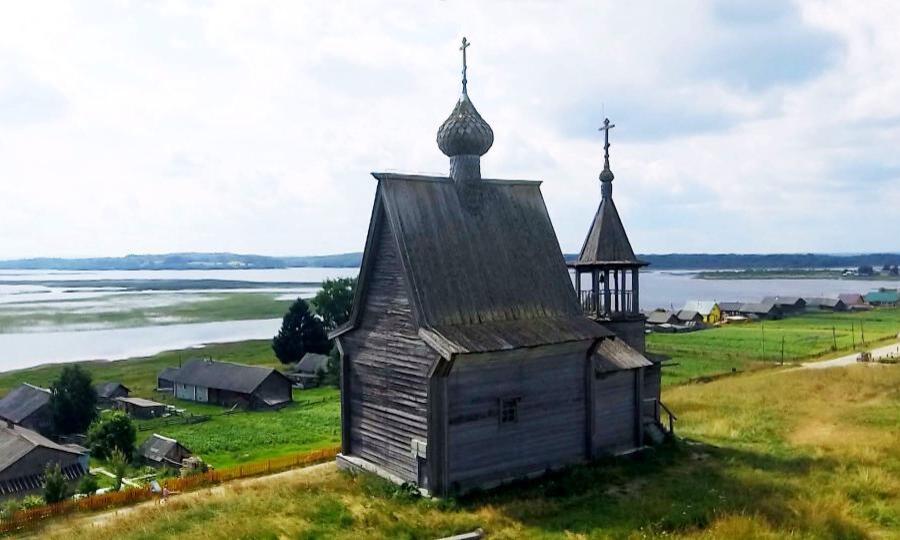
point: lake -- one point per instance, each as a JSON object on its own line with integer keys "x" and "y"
{"x": 74, "y": 292}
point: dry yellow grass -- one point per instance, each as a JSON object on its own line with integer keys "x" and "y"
{"x": 801, "y": 454}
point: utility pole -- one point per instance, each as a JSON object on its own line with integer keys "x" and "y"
{"x": 833, "y": 339}
{"x": 762, "y": 329}
{"x": 782, "y": 350}
{"x": 853, "y": 335}
{"x": 862, "y": 331}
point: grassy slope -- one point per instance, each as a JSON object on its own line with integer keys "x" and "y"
{"x": 224, "y": 440}
{"x": 209, "y": 307}
{"x": 772, "y": 456}
{"x": 740, "y": 346}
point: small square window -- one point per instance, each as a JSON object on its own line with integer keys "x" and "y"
{"x": 509, "y": 410}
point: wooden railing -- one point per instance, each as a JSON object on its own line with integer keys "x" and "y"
{"x": 620, "y": 301}
{"x": 23, "y": 519}
{"x": 656, "y": 407}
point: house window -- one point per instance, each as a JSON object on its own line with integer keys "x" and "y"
{"x": 509, "y": 410}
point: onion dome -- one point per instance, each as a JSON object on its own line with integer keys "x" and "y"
{"x": 465, "y": 132}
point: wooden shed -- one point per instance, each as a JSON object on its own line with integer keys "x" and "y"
{"x": 467, "y": 360}
{"x": 161, "y": 451}
{"x": 108, "y": 391}
{"x": 139, "y": 407}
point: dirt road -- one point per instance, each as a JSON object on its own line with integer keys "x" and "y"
{"x": 850, "y": 359}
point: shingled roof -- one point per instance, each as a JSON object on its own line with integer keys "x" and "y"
{"x": 484, "y": 275}
{"x": 222, "y": 375}
{"x": 23, "y": 401}
{"x": 606, "y": 242}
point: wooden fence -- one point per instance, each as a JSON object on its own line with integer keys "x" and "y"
{"x": 27, "y": 518}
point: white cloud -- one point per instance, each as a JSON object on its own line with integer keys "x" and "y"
{"x": 252, "y": 127}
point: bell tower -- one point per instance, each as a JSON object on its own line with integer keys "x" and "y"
{"x": 607, "y": 273}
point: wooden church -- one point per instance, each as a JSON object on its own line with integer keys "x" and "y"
{"x": 469, "y": 358}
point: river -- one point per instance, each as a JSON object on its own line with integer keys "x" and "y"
{"x": 67, "y": 290}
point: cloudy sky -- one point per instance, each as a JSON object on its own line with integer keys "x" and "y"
{"x": 147, "y": 127}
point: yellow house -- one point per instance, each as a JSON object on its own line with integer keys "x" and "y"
{"x": 707, "y": 309}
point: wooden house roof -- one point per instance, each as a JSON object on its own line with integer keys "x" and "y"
{"x": 483, "y": 274}
{"x": 107, "y": 389}
{"x": 23, "y": 401}
{"x": 616, "y": 355}
{"x": 158, "y": 448}
{"x": 222, "y": 375}
{"x": 16, "y": 442}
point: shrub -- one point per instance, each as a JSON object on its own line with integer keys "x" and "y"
{"x": 88, "y": 485}
{"x": 55, "y": 488}
{"x": 113, "y": 430}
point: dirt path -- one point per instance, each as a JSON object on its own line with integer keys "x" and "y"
{"x": 102, "y": 518}
{"x": 850, "y": 359}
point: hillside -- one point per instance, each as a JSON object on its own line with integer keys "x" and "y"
{"x": 766, "y": 455}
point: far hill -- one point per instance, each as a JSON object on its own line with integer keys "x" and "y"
{"x": 224, "y": 261}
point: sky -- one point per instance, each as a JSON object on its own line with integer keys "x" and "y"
{"x": 252, "y": 127}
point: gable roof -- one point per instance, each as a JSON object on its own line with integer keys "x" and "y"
{"x": 140, "y": 402}
{"x": 687, "y": 315}
{"x": 615, "y": 355}
{"x": 703, "y": 307}
{"x": 758, "y": 307}
{"x": 824, "y": 302}
{"x": 167, "y": 373}
{"x": 852, "y": 299}
{"x": 16, "y": 442}
{"x": 730, "y": 306}
{"x": 607, "y": 241}
{"x": 661, "y": 317}
{"x": 784, "y": 301}
{"x": 222, "y": 375}
{"x": 483, "y": 267}
{"x": 157, "y": 448}
{"x": 23, "y": 401}
{"x": 107, "y": 389}
{"x": 312, "y": 363}
{"x": 882, "y": 296}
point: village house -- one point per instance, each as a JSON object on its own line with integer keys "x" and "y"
{"x": 761, "y": 310}
{"x": 709, "y": 311}
{"x": 28, "y": 406}
{"x": 883, "y": 297}
{"x": 662, "y": 316}
{"x": 306, "y": 373}
{"x": 786, "y": 304}
{"x": 468, "y": 359}
{"x": 165, "y": 380}
{"x": 161, "y": 451}
{"x": 730, "y": 309}
{"x": 689, "y": 317}
{"x": 140, "y": 408}
{"x": 24, "y": 456}
{"x": 853, "y": 301}
{"x": 229, "y": 385}
{"x": 108, "y": 391}
{"x": 827, "y": 304}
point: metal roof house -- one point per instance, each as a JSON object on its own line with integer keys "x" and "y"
{"x": 467, "y": 360}
{"x": 730, "y": 308}
{"x": 662, "y": 317}
{"x": 25, "y": 454}
{"x": 160, "y": 450}
{"x": 227, "y": 384}
{"x": 139, "y": 407}
{"x": 883, "y": 297}
{"x": 28, "y": 406}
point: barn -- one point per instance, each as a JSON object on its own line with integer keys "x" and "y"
{"x": 28, "y": 406}
{"x": 163, "y": 451}
{"x": 468, "y": 360}
{"x": 140, "y": 408}
{"x": 108, "y": 391}
{"x": 229, "y": 385}
{"x": 25, "y": 454}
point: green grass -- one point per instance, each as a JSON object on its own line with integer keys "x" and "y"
{"x": 802, "y": 454}
{"x": 740, "y": 346}
{"x": 205, "y": 308}
{"x": 223, "y": 440}
{"x": 312, "y": 422}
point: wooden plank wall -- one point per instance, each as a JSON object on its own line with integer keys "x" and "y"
{"x": 614, "y": 414}
{"x": 388, "y": 370}
{"x": 550, "y": 431}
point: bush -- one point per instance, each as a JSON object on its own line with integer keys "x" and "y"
{"x": 113, "y": 430}
{"x": 55, "y": 488}
{"x": 88, "y": 485}
{"x": 119, "y": 464}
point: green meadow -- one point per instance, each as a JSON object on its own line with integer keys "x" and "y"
{"x": 754, "y": 345}
{"x": 771, "y": 454}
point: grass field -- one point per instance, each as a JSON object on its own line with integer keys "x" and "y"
{"x": 132, "y": 310}
{"x": 223, "y": 440}
{"x": 746, "y": 346}
{"x": 799, "y": 454}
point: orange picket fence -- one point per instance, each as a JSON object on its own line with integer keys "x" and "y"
{"x": 25, "y": 518}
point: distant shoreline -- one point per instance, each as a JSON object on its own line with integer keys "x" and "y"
{"x": 789, "y": 274}
{"x": 235, "y": 261}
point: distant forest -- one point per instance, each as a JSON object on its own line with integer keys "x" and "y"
{"x": 221, "y": 261}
